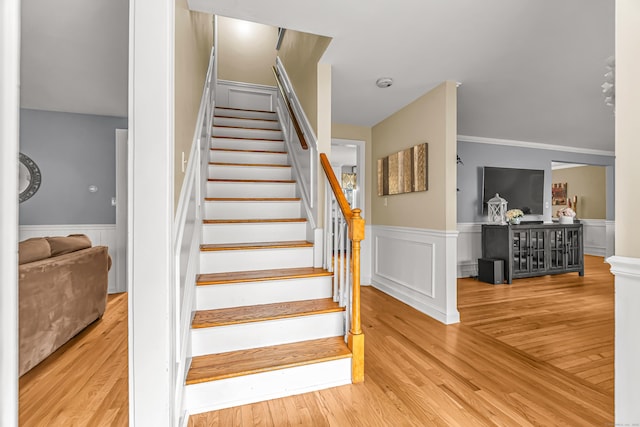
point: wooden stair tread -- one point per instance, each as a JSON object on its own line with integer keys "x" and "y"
{"x": 262, "y": 245}
{"x": 246, "y": 362}
{"x": 269, "y": 165}
{"x": 252, "y": 220}
{"x": 263, "y": 312}
{"x": 248, "y": 151}
{"x": 247, "y": 138}
{"x": 245, "y": 109}
{"x": 246, "y": 128}
{"x": 252, "y": 199}
{"x": 244, "y": 118}
{"x": 275, "y": 181}
{"x": 260, "y": 275}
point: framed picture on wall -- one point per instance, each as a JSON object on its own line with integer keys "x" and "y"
{"x": 559, "y": 194}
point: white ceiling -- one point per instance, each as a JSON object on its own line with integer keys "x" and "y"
{"x": 74, "y": 56}
{"x": 531, "y": 70}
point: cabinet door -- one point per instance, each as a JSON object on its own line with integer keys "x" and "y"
{"x": 537, "y": 247}
{"x": 556, "y": 249}
{"x": 520, "y": 251}
{"x": 573, "y": 245}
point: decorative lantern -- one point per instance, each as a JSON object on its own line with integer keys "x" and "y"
{"x": 497, "y": 208}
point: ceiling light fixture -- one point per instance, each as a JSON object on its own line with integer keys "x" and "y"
{"x": 383, "y": 82}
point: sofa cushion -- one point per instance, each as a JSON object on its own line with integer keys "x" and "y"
{"x": 33, "y": 249}
{"x": 71, "y": 243}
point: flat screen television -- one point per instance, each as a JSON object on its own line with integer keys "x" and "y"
{"x": 521, "y": 188}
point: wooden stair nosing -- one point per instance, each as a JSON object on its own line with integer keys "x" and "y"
{"x": 260, "y": 275}
{"x": 265, "y": 165}
{"x": 264, "y": 359}
{"x": 252, "y": 199}
{"x": 246, "y": 128}
{"x": 247, "y": 138}
{"x": 245, "y": 109}
{"x": 248, "y": 151}
{"x": 257, "y": 181}
{"x": 263, "y": 312}
{"x": 252, "y": 220}
{"x": 244, "y": 118}
{"x": 213, "y": 247}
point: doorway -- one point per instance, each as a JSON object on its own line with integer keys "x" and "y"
{"x": 347, "y": 161}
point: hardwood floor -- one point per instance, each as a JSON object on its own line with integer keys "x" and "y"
{"x": 85, "y": 382}
{"x": 537, "y": 352}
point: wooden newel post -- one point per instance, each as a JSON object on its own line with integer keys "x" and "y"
{"x": 356, "y": 337}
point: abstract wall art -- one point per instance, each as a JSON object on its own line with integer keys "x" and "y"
{"x": 404, "y": 172}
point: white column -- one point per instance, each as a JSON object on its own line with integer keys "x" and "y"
{"x": 9, "y": 131}
{"x": 627, "y": 351}
{"x": 151, "y": 210}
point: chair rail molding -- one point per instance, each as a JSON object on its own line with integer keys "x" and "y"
{"x": 418, "y": 267}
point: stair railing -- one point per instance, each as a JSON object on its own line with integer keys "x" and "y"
{"x": 344, "y": 230}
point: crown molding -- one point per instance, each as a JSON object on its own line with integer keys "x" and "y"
{"x": 536, "y": 145}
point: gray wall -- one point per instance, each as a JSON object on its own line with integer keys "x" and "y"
{"x": 73, "y": 151}
{"x": 475, "y": 156}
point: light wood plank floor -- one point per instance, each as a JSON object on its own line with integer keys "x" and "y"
{"x": 85, "y": 382}
{"x": 538, "y": 352}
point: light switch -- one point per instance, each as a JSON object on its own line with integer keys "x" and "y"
{"x": 113, "y": 201}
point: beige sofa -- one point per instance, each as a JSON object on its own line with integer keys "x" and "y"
{"x": 63, "y": 289}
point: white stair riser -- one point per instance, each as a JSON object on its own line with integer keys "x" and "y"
{"x": 246, "y": 114}
{"x": 246, "y": 133}
{"x": 222, "y": 339}
{"x": 214, "y": 395}
{"x": 249, "y": 172}
{"x": 250, "y": 189}
{"x": 211, "y": 297}
{"x": 247, "y": 144}
{"x": 246, "y": 123}
{"x": 253, "y": 232}
{"x": 252, "y": 209}
{"x": 248, "y": 157}
{"x": 258, "y": 259}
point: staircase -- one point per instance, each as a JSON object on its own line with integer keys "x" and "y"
{"x": 266, "y": 324}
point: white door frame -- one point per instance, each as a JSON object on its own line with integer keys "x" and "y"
{"x": 9, "y": 135}
{"x": 360, "y": 177}
{"x": 122, "y": 151}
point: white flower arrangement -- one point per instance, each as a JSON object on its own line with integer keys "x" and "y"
{"x": 514, "y": 213}
{"x": 566, "y": 212}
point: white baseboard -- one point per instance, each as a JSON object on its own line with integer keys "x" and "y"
{"x": 100, "y": 235}
{"x": 418, "y": 267}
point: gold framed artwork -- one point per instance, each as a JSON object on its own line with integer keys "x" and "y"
{"x": 559, "y": 193}
{"x": 404, "y": 172}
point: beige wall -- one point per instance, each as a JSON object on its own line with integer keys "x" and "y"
{"x": 432, "y": 119}
{"x": 246, "y": 51}
{"x": 589, "y": 183}
{"x": 193, "y": 42}
{"x": 359, "y": 133}
{"x": 300, "y": 53}
{"x": 627, "y": 128}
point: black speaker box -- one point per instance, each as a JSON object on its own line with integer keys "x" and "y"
{"x": 491, "y": 271}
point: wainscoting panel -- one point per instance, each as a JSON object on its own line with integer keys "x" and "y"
{"x": 469, "y": 248}
{"x": 595, "y": 236}
{"x": 416, "y": 266}
{"x": 245, "y": 95}
{"x": 100, "y": 235}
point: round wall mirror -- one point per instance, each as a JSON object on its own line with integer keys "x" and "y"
{"x": 29, "y": 178}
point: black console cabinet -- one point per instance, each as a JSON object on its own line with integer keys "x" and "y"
{"x": 535, "y": 249}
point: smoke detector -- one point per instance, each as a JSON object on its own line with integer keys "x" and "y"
{"x": 383, "y": 82}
